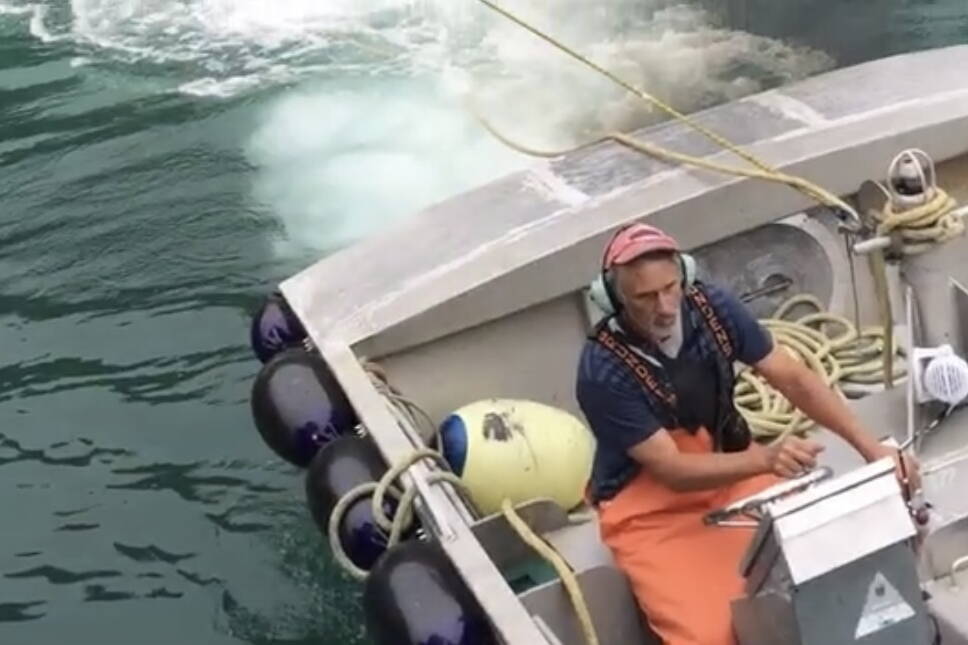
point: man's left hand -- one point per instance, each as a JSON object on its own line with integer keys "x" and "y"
{"x": 907, "y": 467}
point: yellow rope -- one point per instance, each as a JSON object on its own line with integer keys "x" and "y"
{"x": 765, "y": 171}
{"x": 402, "y": 518}
{"x": 407, "y": 411}
{"x": 882, "y": 291}
{"x": 336, "y": 518}
{"x": 568, "y": 578}
{"x": 921, "y": 227}
{"x": 849, "y": 361}
{"x": 403, "y": 406}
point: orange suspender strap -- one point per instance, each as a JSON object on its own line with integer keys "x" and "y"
{"x": 639, "y": 368}
{"x": 641, "y": 371}
{"x": 712, "y": 321}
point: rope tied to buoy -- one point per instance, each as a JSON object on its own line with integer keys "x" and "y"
{"x": 849, "y": 361}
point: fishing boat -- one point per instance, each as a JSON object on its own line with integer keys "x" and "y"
{"x": 424, "y": 377}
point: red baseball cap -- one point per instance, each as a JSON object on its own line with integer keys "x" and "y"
{"x": 637, "y": 240}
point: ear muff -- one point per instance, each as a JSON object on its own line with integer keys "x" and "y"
{"x": 687, "y": 264}
{"x": 602, "y": 289}
{"x": 598, "y": 293}
{"x": 608, "y": 286}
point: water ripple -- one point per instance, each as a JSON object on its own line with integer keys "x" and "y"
{"x": 15, "y": 612}
{"x": 96, "y": 593}
{"x": 179, "y": 479}
{"x": 74, "y": 511}
{"x": 150, "y": 553}
{"x": 58, "y": 576}
{"x": 151, "y": 381}
{"x": 199, "y": 580}
{"x": 77, "y": 461}
{"x": 188, "y": 295}
{"x": 226, "y": 522}
{"x": 77, "y": 527}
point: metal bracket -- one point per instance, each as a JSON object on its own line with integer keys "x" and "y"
{"x": 959, "y": 294}
{"x": 910, "y": 340}
{"x": 956, "y": 566}
{"x": 767, "y": 290}
{"x": 755, "y": 503}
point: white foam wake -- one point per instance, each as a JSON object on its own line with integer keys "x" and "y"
{"x": 377, "y": 128}
{"x": 227, "y": 46}
{"x": 337, "y": 164}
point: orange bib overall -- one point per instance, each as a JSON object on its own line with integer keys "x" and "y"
{"x": 683, "y": 573}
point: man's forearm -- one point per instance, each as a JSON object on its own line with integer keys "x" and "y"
{"x": 690, "y": 471}
{"x": 810, "y": 394}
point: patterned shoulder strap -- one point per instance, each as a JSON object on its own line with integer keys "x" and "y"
{"x": 713, "y": 323}
{"x": 638, "y": 367}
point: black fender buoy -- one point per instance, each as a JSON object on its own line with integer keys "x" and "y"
{"x": 298, "y": 406}
{"x": 338, "y": 467}
{"x": 414, "y": 596}
{"x": 274, "y": 328}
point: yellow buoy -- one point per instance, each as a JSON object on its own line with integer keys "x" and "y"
{"x": 520, "y": 450}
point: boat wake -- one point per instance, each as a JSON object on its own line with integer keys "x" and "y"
{"x": 377, "y": 124}
{"x": 230, "y": 46}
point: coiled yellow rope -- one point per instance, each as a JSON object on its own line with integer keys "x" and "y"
{"x": 847, "y": 359}
{"x": 924, "y": 226}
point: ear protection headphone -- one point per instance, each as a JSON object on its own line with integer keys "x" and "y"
{"x": 602, "y": 290}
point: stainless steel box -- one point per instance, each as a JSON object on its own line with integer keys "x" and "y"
{"x": 834, "y": 565}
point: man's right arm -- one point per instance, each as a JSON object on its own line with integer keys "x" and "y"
{"x": 620, "y": 416}
{"x": 681, "y": 471}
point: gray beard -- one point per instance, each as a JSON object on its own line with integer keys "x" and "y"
{"x": 671, "y": 344}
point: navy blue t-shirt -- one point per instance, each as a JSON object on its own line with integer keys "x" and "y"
{"x": 614, "y": 402}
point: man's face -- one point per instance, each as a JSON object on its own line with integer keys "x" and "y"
{"x": 651, "y": 290}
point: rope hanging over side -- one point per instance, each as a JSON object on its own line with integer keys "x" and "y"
{"x": 410, "y": 412}
{"x": 847, "y": 359}
{"x": 403, "y": 516}
{"x": 765, "y": 171}
{"x": 403, "y": 519}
